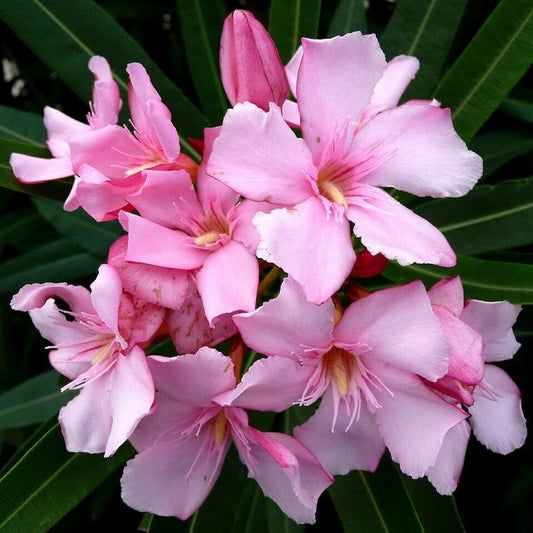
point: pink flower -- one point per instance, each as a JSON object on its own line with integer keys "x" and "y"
{"x": 61, "y": 129}
{"x": 363, "y": 364}
{"x": 110, "y": 161}
{"x": 250, "y": 66}
{"x": 97, "y": 344}
{"x": 183, "y": 443}
{"x": 204, "y": 232}
{"x": 354, "y": 142}
{"x": 479, "y": 333}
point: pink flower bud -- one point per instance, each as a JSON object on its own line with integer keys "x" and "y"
{"x": 250, "y": 65}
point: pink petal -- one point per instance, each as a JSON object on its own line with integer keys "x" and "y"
{"x": 190, "y": 330}
{"x": 76, "y": 347}
{"x": 448, "y": 293}
{"x": 106, "y": 292}
{"x": 112, "y": 150}
{"x": 496, "y": 416}
{"x": 139, "y": 321}
{"x": 292, "y": 68}
{"x": 412, "y": 420}
{"x": 349, "y": 445}
{"x": 396, "y": 326}
{"x": 299, "y": 324}
{"x": 164, "y": 195}
{"x": 35, "y": 295}
{"x": 86, "y": 420}
{"x": 61, "y": 126}
{"x": 227, "y": 281}
{"x": 311, "y": 244}
{"x": 328, "y": 102}
{"x": 29, "y": 169}
{"x": 179, "y": 377}
{"x": 131, "y": 397}
{"x": 101, "y": 197}
{"x": 287, "y": 472}
{"x": 466, "y": 361}
{"x": 173, "y": 477}
{"x": 494, "y": 321}
{"x": 396, "y": 77}
{"x": 386, "y": 226}
{"x": 445, "y": 473}
{"x": 419, "y": 152}
{"x": 159, "y": 285}
{"x": 106, "y": 100}
{"x": 243, "y": 229}
{"x": 259, "y": 156}
{"x": 151, "y": 118}
{"x": 157, "y": 245}
{"x": 270, "y": 384}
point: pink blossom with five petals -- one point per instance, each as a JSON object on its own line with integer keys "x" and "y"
{"x": 183, "y": 443}
{"x": 98, "y": 345}
{"x": 355, "y": 141}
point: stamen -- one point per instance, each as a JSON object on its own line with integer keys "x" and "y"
{"x": 209, "y": 237}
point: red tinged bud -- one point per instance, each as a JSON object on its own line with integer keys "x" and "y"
{"x": 250, "y": 66}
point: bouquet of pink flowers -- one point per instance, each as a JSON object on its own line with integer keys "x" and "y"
{"x": 244, "y": 302}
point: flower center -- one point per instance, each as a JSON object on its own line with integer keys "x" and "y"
{"x": 339, "y": 365}
{"x": 220, "y": 427}
{"x": 210, "y": 237}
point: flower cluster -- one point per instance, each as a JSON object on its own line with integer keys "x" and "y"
{"x": 294, "y": 191}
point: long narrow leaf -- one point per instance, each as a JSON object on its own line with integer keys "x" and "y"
{"x": 64, "y": 35}
{"x": 501, "y": 146}
{"x": 290, "y": 20}
{"x": 61, "y": 260}
{"x": 201, "y": 24}
{"x": 426, "y": 30}
{"x": 45, "y": 483}
{"x": 387, "y": 502}
{"x": 494, "y": 61}
{"x": 350, "y": 15}
{"x": 22, "y": 126}
{"x": 482, "y": 279}
{"x": 489, "y": 218}
{"x": 80, "y": 228}
{"x": 33, "y": 401}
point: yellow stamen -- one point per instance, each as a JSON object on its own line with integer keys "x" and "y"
{"x": 330, "y": 191}
{"x": 220, "y": 427}
{"x": 207, "y": 238}
{"x": 339, "y": 364}
{"x": 101, "y": 353}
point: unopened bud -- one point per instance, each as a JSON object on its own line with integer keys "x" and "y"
{"x": 250, "y": 65}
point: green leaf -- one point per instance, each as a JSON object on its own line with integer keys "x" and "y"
{"x": 22, "y": 126}
{"x": 424, "y": 29}
{"x": 389, "y": 502}
{"x": 290, "y": 20}
{"x": 519, "y": 105}
{"x": 501, "y": 146}
{"x": 33, "y": 401}
{"x": 56, "y": 190}
{"x": 491, "y": 65}
{"x": 349, "y": 16}
{"x": 63, "y": 35}
{"x": 488, "y": 218}
{"x": 46, "y": 482}
{"x": 61, "y": 260}
{"x": 482, "y": 279}
{"x": 80, "y": 228}
{"x": 201, "y": 25}
{"x": 15, "y": 225}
